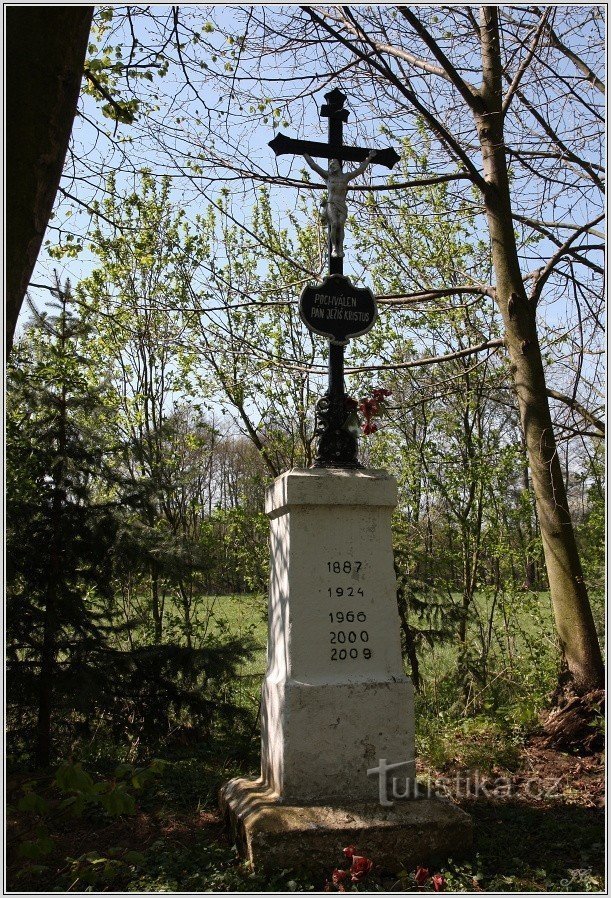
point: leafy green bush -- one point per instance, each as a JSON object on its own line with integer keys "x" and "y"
{"x": 74, "y": 793}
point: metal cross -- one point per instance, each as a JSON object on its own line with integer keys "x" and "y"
{"x": 337, "y": 446}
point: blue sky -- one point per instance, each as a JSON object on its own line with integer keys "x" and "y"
{"x": 166, "y": 140}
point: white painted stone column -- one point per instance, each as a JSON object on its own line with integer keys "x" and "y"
{"x": 335, "y": 699}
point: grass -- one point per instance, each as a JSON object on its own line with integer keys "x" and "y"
{"x": 175, "y": 841}
{"x": 240, "y": 616}
{"x": 523, "y": 658}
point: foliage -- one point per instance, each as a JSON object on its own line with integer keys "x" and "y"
{"x": 187, "y": 495}
{"x": 75, "y": 543}
{"x": 105, "y": 69}
{"x": 73, "y": 793}
{"x": 591, "y": 522}
{"x": 189, "y": 851}
{"x": 60, "y": 534}
{"x": 149, "y": 408}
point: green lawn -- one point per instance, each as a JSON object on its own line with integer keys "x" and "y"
{"x": 244, "y": 617}
{"x": 522, "y": 649}
{"x": 175, "y": 840}
{"x": 238, "y": 616}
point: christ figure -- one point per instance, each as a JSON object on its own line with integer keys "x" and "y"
{"x": 335, "y": 210}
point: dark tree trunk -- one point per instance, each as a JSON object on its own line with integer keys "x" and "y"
{"x": 409, "y": 643}
{"x": 45, "y": 682}
{"x": 157, "y": 606}
{"x": 186, "y": 607}
{"x": 572, "y": 612}
{"x": 45, "y": 53}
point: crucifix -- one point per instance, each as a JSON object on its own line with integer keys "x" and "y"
{"x": 336, "y": 309}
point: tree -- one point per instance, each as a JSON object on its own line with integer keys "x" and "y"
{"x": 76, "y": 528}
{"x": 519, "y": 159}
{"x": 60, "y": 533}
{"x": 136, "y": 297}
{"x": 42, "y": 90}
{"x": 572, "y": 611}
{"x": 253, "y": 326}
{"x": 502, "y": 138}
{"x": 45, "y": 49}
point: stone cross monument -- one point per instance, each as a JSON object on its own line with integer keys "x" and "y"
{"x": 336, "y": 298}
{"x": 337, "y": 718}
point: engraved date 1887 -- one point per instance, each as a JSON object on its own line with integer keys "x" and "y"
{"x": 344, "y": 567}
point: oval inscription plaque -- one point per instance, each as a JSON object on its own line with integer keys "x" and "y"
{"x": 337, "y": 309}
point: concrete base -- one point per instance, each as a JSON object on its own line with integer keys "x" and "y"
{"x": 318, "y": 740}
{"x": 335, "y": 698}
{"x": 276, "y": 836}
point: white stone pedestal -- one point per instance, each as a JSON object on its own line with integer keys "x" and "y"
{"x": 335, "y": 697}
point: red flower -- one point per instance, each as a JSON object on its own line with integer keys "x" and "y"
{"x": 380, "y": 394}
{"x": 439, "y": 882}
{"x": 360, "y": 867}
{"x": 350, "y": 851}
{"x": 338, "y": 876}
{"x": 421, "y": 875}
{"x": 369, "y": 407}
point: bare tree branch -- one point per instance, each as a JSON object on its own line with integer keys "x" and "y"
{"x": 431, "y": 360}
{"x": 525, "y": 63}
{"x": 434, "y": 123}
{"x": 467, "y": 91}
{"x": 545, "y": 272}
{"x": 576, "y": 60}
{"x": 578, "y": 407}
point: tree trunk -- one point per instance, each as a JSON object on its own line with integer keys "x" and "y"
{"x": 572, "y": 611}
{"x": 409, "y": 643}
{"x": 45, "y": 53}
{"x": 48, "y": 653}
{"x": 530, "y": 566}
{"x": 45, "y": 681}
{"x": 157, "y": 606}
{"x": 186, "y": 607}
{"x": 576, "y": 723}
{"x": 467, "y": 595}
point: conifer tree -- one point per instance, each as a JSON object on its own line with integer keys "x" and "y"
{"x": 60, "y": 528}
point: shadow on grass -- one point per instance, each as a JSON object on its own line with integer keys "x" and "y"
{"x": 554, "y": 846}
{"x": 521, "y": 844}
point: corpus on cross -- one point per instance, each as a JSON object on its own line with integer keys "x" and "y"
{"x": 335, "y": 209}
{"x": 337, "y": 437}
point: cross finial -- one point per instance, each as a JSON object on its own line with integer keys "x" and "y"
{"x": 334, "y": 107}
